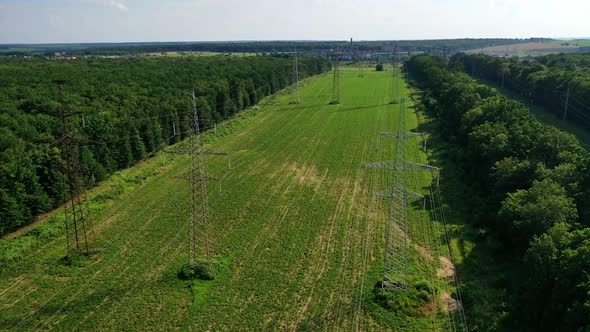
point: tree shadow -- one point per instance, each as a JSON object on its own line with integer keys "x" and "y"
{"x": 297, "y": 107}
{"x": 80, "y": 305}
{"x": 483, "y": 270}
{"x": 357, "y": 108}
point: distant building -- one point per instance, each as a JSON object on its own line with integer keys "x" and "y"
{"x": 65, "y": 57}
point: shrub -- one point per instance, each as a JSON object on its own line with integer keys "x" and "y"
{"x": 407, "y": 302}
{"x": 201, "y": 269}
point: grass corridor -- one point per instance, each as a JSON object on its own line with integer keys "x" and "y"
{"x": 292, "y": 212}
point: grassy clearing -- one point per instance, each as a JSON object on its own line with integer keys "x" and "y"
{"x": 293, "y": 217}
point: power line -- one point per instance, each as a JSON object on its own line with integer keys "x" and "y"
{"x": 459, "y": 300}
{"x": 435, "y": 219}
{"x": 197, "y": 169}
{"x": 423, "y": 227}
{"x": 296, "y": 78}
{"x": 359, "y": 59}
{"x": 109, "y": 261}
{"x": 395, "y": 272}
{"x": 395, "y": 86}
{"x": 567, "y": 100}
{"x": 112, "y": 259}
{"x": 138, "y": 286}
{"x": 579, "y": 102}
{"x": 336, "y": 83}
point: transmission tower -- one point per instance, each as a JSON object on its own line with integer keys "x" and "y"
{"x": 199, "y": 233}
{"x": 395, "y": 72}
{"x": 360, "y": 63}
{"x": 80, "y": 234}
{"x": 296, "y": 78}
{"x": 395, "y": 271}
{"x": 336, "y": 84}
{"x": 394, "y": 87}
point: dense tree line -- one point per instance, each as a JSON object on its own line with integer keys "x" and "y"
{"x": 572, "y": 62}
{"x": 259, "y": 46}
{"x": 130, "y": 107}
{"x": 288, "y": 46}
{"x": 529, "y": 184}
{"x": 543, "y": 81}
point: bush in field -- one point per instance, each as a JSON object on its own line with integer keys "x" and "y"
{"x": 408, "y": 302}
{"x": 379, "y": 67}
{"x": 201, "y": 269}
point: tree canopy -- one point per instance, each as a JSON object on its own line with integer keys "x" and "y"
{"x": 530, "y": 188}
{"x": 128, "y": 108}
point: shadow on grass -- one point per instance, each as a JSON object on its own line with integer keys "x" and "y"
{"x": 327, "y": 107}
{"x": 302, "y": 106}
{"x": 88, "y": 309}
{"x": 358, "y": 108}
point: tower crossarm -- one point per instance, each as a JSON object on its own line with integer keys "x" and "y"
{"x": 395, "y": 166}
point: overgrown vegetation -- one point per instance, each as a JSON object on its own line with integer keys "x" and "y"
{"x": 528, "y": 191}
{"x": 407, "y": 303}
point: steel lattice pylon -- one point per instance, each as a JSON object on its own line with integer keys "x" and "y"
{"x": 296, "y": 78}
{"x": 200, "y": 242}
{"x": 80, "y": 234}
{"x": 336, "y": 83}
{"x": 395, "y": 271}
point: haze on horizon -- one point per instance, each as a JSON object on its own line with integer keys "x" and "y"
{"x": 77, "y": 21}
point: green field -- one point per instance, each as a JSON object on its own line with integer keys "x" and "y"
{"x": 293, "y": 219}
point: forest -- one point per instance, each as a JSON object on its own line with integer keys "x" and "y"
{"x": 550, "y": 81}
{"x": 528, "y": 189}
{"x": 126, "y": 109}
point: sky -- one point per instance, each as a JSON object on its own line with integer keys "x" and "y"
{"x": 79, "y": 21}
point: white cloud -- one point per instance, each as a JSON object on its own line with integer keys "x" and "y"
{"x": 118, "y": 5}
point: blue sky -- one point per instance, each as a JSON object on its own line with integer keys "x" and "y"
{"x": 57, "y": 21}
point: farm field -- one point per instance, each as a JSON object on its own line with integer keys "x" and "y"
{"x": 294, "y": 221}
{"x": 527, "y": 49}
{"x": 574, "y": 42}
